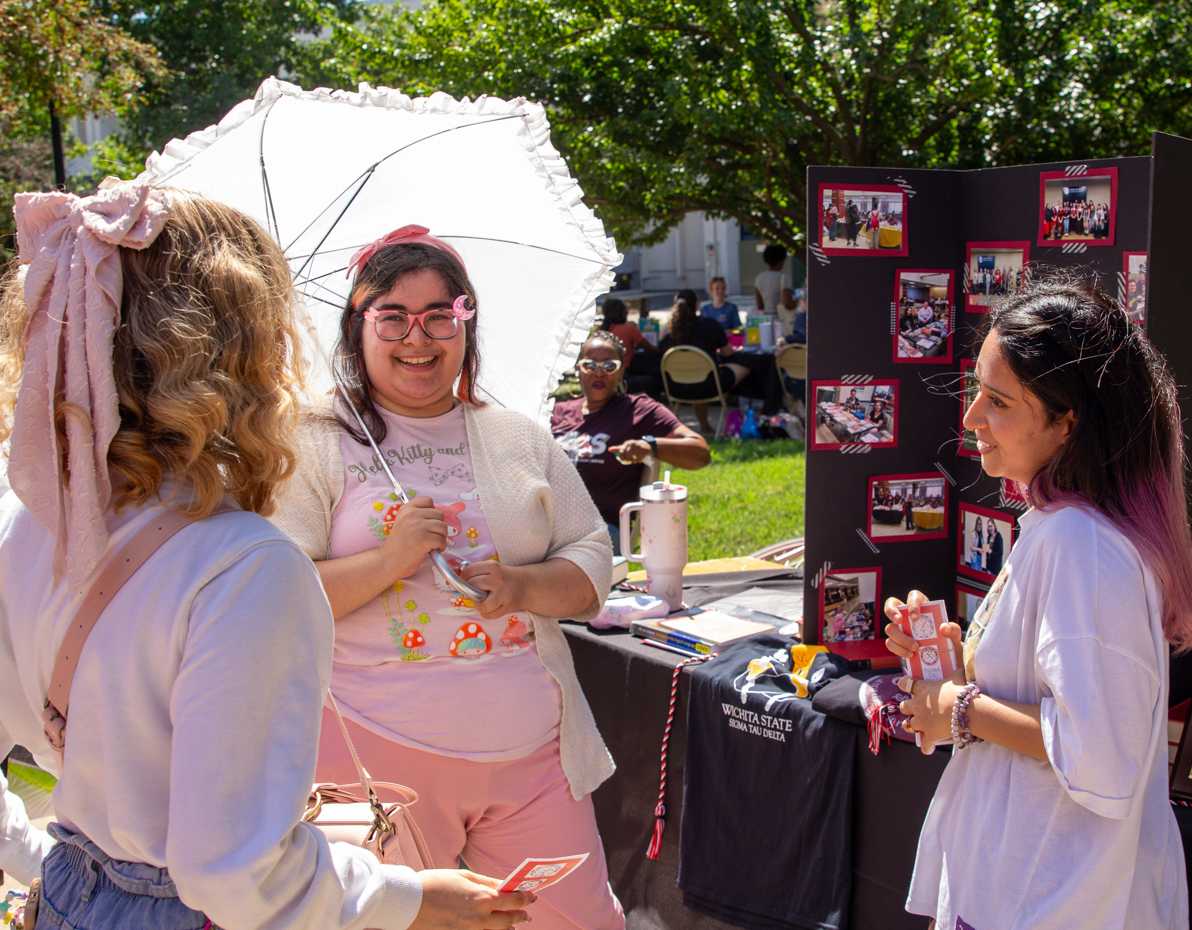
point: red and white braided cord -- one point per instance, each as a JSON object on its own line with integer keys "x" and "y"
{"x": 636, "y": 587}
{"x": 660, "y": 811}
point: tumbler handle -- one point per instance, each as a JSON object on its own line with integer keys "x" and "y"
{"x": 626, "y": 511}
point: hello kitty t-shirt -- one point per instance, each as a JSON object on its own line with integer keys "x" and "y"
{"x": 419, "y": 665}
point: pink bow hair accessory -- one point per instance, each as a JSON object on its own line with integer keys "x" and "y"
{"x": 73, "y": 287}
{"x": 407, "y": 234}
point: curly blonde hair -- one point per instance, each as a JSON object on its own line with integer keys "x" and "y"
{"x": 207, "y": 361}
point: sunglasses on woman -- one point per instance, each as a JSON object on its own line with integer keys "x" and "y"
{"x": 608, "y": 366}
{"x": 392, "y": 325}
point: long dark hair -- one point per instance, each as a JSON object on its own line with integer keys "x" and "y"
{"x": 1074, "y": 349}
{"x": 682, "y": 320}
{"x": 375, "y": 279}
{"x": 614, "y": 312}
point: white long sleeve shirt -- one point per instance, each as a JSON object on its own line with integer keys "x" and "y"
{"x": 193, "y": 724}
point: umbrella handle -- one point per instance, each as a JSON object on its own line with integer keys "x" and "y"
{"x": 467, "y": 590}
{"x": 436, "y": 557}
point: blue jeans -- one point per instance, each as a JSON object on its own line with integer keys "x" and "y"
{"x": 614, "y": 534}
{"x": 83, "y": 888}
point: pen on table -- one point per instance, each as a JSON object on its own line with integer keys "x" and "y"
{"x": 674, "y": 649}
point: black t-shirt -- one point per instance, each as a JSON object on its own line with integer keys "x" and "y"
{"x": 765, "y": 839}
{"x": 706, "y": 334}
{"x": 588, "y": 438}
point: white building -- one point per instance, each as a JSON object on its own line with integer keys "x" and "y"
{"x": 698, "y": 249}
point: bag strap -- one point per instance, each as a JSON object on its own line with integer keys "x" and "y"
{"x": 134, "y": 554}
{"x": 366, "y": 781}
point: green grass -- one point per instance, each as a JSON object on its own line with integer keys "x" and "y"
{"x": 750, "y": 496}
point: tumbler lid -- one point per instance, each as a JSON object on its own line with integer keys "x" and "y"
{"x": 660, "y": 491}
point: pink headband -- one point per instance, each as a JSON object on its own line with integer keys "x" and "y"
{"x": 73, "y": 285}
{"x": 406, "y": 235}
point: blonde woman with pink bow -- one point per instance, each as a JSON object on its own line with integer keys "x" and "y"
{"x": 148, "y": 364}
{"x": 472, "y": 701}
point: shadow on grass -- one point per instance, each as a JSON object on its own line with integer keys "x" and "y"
{"x": 749, "y": 450}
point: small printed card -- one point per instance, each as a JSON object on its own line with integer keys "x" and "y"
{"x": 936, "y": 658}
{"x": 535, "y": 874}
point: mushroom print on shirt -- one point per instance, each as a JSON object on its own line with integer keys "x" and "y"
{"x": 418, "y": 664}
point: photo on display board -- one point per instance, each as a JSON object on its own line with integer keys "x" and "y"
{"x": 924, "y": 305}
{"x": 1014, "y": 492}
{"x": 908, "y": 507}
{"x": 985, "y": 540}
{"x": 849, "y": 413}
{"x": 1134, "y": 266}
{"x": 968, "y": 599}
{"x": 970, "y": 387}
{"x": 848, "y": 604}
{"x": 995, "y": 270}
{"x": 1080, "y": 208}
{"x": 862, "y": 220}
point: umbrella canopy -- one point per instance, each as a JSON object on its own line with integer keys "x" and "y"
{"x": 329, "y": 172}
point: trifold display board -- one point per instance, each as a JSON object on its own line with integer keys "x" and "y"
{"x": 901, "y": 267}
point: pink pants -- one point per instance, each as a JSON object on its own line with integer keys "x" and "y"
{"x": 494, "y": 815}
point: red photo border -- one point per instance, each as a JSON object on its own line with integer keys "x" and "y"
{"x": 967, "y": 588}
{"x": 866, "y": 188}
{"x": 1126, "y": 256}
{"x": 1001, "y": 517}
{"x": 1010, "y": 491}
{"x": 1046, "y": 176}
{"x": 965, "y": 364}
{"x": 945, "y": 359}
{"x": 1023, "y": 245}
{"x": 877, "y": 602}
{"x": 816, "y": 445}
{"x": 917, "y": 476}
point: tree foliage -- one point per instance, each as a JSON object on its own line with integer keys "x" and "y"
{"x": 62, "y": 51}
{"x": 58, "y": 53}
{"x": 666, "y": 106}
{"x": 216, "y": 55}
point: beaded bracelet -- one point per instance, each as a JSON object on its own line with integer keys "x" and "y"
{"x": 962, "y": 736}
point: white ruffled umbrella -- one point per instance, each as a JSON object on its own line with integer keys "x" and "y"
{"x": 328, "y": 172}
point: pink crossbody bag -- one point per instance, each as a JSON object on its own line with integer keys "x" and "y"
{"x": 349, "y": 813}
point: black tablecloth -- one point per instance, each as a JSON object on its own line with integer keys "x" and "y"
{"x": 628, "y": 686}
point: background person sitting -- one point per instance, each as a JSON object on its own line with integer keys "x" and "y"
{"x": 610, "y": 435}
{"x": 719, "y": 309}
{"x": 642, "y": 374}
{"x": 746, "y": 374}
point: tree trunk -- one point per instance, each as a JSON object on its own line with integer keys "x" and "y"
{"x": 59, "y": 156}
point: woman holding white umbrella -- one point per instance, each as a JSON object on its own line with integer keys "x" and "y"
{"x": 472, "y": 702}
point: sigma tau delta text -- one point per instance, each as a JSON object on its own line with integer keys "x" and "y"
{"x": 757, "y": 724}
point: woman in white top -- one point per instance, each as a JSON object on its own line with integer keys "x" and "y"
{"x": 1053, "y": 811}
{"x": 772, "y": 288}
{"x": 149, "y": 361}
{"x": 472, "y": 703}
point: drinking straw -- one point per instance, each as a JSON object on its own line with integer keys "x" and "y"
{"x": 666, "y": 479}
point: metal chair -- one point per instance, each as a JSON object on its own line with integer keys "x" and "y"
{"x": 792, "y": 362}
{"x": 689, "y": 365}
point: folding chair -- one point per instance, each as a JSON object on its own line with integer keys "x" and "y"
{"x": 689, "y": 365}
{"x": 792, "y": 362}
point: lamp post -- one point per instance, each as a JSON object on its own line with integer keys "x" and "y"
{"x": 56, "y": 142}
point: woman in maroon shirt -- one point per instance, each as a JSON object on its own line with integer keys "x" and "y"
{"x": 610, "y": 435}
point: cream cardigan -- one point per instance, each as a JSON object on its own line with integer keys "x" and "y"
{"x": 537, "y": 508}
